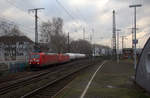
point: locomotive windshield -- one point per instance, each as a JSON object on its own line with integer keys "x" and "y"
{"x": 35, "y": 56}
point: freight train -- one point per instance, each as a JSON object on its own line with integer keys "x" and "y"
{"x": 46, "y": 59}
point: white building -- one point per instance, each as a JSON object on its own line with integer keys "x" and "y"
{"x": 15, "y": 48}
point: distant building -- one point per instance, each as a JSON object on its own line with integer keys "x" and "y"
{"x": 102, "y": 51}
{"x": 14, "y": 47}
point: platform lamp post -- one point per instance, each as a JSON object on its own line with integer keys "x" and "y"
{"x": 135, "y": 41}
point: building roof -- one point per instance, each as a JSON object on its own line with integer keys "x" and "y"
{"x": 13, "y": 39}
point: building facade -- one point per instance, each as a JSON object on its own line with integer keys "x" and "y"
{"x": 15, "y": 48}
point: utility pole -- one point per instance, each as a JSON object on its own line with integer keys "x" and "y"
{"x": 91, "y": 40}
{"x": 114, "y": 34}
{"x": 83, "y": 33}
{"x": 118, "y": 45}
{"x": 93, "y": 43}
{"x": 68, "y": 43}
{"x": 135, "y": 41}
{"x": 122, "y": 41}
{"x": 123, "y": 37}
{"x": 132, "y": 38}
{"x": 36, "y": 23}
{"x": 132, "y": 31}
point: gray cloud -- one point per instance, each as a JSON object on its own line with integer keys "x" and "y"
{"x": 95, "y": 15}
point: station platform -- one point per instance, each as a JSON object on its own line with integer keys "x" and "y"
{"x": 108, "y": 79}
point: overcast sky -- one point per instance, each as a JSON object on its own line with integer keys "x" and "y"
{"x": 93, "y": 15}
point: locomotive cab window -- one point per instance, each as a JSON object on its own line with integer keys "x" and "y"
{"x": 35, "y": 56}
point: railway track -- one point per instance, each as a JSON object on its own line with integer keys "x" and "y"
{"x": 13, "y": 88}
{"x": 50, "y": 89}
{"x": 6, "y": 87}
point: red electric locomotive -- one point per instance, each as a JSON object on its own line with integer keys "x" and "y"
{"x": 45, "y": 59}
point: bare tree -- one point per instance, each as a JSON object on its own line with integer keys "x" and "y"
{"x": 5, "y": 28}
{"x": 15, "y": 30}
{"x": 9, "y": 28}
{"x": 59, "y": 43}
{"x": 9, "y": 35}
{"x": 53, "y": 33}
{"x": 57, "y": 26}
{"x": 81, "y": 46}
{"x": 46, "y": 31}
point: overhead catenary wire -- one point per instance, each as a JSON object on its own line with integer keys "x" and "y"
{"x": 18, "y": 8}
{"x": 143, "y": 39}
{"x": 40, "y": 19}
{"x": 11, "y": 22}
{"x": 145, "y": 35}
{"x": 81, "y": 16}
{"x": 12, "y": 4}
{"x": 67, "y": 12}
{"x": 21, "y": 9}
{"x": 75, "y": 23}
{"x": 65, "y": 9}
{"x": 15, "y": 6}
